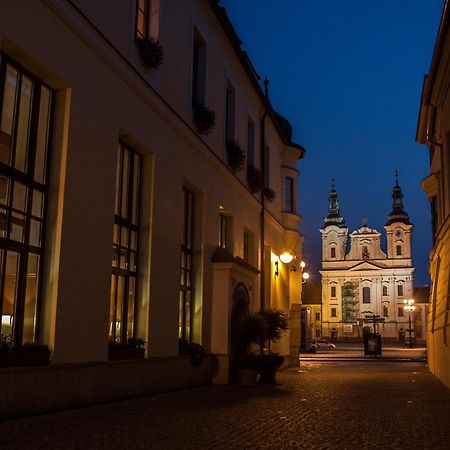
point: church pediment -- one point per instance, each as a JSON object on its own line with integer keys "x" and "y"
{"x": 366, "y": 265}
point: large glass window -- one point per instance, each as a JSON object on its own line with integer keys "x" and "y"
{"x": 122, "y": 313}
{"x": 186, "y": 285}
{"x": 25, "y": 123}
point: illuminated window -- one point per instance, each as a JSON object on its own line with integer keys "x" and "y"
{"x": 25, "y": 128}
{"x": 142, "y": 13}
{"x": 288, "y": 194}
{"x": 187, "y": 250}
{"x": 122, "y": 313}
{"x": 366, "y": 294}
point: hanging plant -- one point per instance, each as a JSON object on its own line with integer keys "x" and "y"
{"x": 204, "y": 118}
{"x": 254, "y": 179}
{"x": 235, "y": 156}
{"x": 151, "y": 52}
{"x": 269, "y": 193}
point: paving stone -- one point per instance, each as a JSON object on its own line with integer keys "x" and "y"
{"x": 339, "y": 405}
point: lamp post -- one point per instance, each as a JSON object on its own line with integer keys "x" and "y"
{"x": 305, "y": 275}
{"x": 409, "y": 306}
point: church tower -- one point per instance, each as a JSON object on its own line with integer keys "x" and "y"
{"x": 398, "y": 227}
{"x": 334, "y": 232}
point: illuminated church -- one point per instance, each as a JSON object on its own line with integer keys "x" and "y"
{"x": 360, "y": 278}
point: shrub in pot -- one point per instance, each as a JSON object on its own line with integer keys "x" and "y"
{"x": 151, "y": 52}
{"x": 254, "y": 179}
{"x": 30, "y": 354}
{"x": 235, "y": 156}
{"x": 204, "y": 118}
{"x": 195, "y": 351}
{"x": 134, "y": 348}
{"x": 5, "y": 350}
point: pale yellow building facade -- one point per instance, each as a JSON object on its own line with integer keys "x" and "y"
{"x": 137, "y": 191}
{"x": 433, "y": 130}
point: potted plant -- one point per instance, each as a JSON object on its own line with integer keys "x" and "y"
{"x": 5, "y": 350}
{"x": 269, "y": 193}
{"x": 195, "y": 351}
{"x": 31, "y": 354}
{"x": 204, "y": 118}
{"x": 250, "y": 330}
{"x": 151, "y": 52}
{"x": 235, "y": 155}
{"x": 133, "y": 348}
{"x": 254, "y": 179}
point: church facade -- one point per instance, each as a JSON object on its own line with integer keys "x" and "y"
{"x": 360, "y": 279}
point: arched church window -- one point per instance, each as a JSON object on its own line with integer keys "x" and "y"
{"x": 365, "y": 253}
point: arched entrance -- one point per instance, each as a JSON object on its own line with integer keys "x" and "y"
{"x": 239, "y": 310}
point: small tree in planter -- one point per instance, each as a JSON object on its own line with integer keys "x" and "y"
{"x": 276, "y": 324}
{"x": 151, "y": 52}
{"x": 235, "y": 156}
{"x": 254, "y": 179}
{"x": 195, "y": 351}
{"x": 204, "y": 118}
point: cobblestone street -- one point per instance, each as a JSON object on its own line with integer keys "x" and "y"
{"x": 340, "y": 405}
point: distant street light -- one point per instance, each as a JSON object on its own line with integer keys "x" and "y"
{"x": 409, "y": 306}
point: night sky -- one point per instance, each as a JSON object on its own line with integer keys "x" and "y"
{"x": 348, "y": 76}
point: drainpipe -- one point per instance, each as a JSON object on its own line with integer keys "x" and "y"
{"x": 263, "y": 173}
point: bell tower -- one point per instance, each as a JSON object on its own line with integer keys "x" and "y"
{"x": 334, "y": 232}
{"x": 398, "y": 227}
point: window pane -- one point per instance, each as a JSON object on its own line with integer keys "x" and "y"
{"x": 135, "y": 218}
{"x": 118, "y": 180}
{"x": 4, "y": 190}
{"x": 10, "y": 292}
{"x": 17, "y": 225}
{"x": 42, "y": 135}
{"x": 23, "y": 128}
{"x": 119, "y": 306}
{"x": 9, "y": 102}
{"x": 38, "y": 203}
{"x": 131, "y": 304}
{"x": 125, "y": 175}
{"x": 29, "y": 320}
{"x": 35, "y": 233}
{"x": 3, "y": 222}
{"x": 112, "y": 307}
{"x": 19, "y": 196}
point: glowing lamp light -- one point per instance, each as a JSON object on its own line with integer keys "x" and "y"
{"x": 302, "y": 264}
{"x": 286, "y": 257}
{"x": 305, "y": 276}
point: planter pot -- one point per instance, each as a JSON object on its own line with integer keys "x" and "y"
{"x": 23, "y": 358}
{"x": 247, "y": 377}
{"x": 118, "y": 353}
{"x": 5, "y": 359}
{"x": 268, "y": 375}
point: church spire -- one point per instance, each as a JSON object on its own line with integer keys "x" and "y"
{"x": 334, "y": 216}
{"x": 398, "y": 213}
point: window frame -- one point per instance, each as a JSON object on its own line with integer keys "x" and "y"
{"x": 26, "y": 177}
{"x": 131, "y": 225}
{"x": 366, "y": 294}
{"x": 289, "y": 194}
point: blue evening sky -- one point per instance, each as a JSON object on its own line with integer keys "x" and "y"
{"x": 348, "y": 76}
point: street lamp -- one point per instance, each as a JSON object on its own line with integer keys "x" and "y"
{"x": 305, "y": 275}
{"x": 409, "y": 306}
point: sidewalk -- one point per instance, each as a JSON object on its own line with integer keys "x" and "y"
{"x": 355, "y": 352}
{"x": 337, "y": 405}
